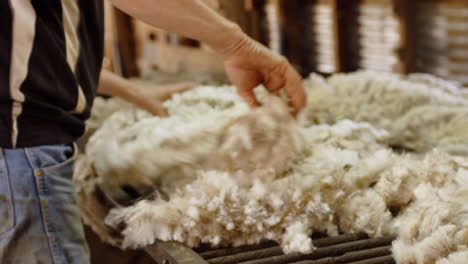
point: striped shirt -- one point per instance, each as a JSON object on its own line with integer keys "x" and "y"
{"x": 50, "y": 59}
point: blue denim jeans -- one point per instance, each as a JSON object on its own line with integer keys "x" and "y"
{"x": 39, "y": 219}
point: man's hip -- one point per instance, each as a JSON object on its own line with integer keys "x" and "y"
{"x": 39, "y": 219}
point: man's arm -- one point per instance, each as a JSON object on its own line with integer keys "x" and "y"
{"x": 147, "y": 96}
{"x": 247, "y": 62}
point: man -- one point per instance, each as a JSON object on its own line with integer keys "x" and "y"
{"x": 50, "y": 61}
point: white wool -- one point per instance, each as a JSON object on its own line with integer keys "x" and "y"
{"x": 133, "y": 138}
{"x": 366, "y": 211}
{"x": 419, "y": 116}
{"x": 436, "y": 223}
{"x": 427, "y": 251}
{"x": 297, "y": 239}
{"x": 438, "y": 83}
{"x": 103, "y": 109}
{"x": 435, "y": 246}
{"x": 249, "y": 208}
{"x": 459, "y": 257}
{"x": 229, "y": 176}
{"x": 403, "y": 252}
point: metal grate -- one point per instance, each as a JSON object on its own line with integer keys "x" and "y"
{"x": 350, "y": 248}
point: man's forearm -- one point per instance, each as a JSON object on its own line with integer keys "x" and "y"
{"x": 247, "y": 63}
{"x": 191, "y": 18}
{"x": 114, "y": 85}
{"x": 144, "y": 95}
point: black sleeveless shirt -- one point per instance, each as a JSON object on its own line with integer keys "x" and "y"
{"x": 50, "y": 59}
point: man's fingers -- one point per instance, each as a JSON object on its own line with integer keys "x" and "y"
{"x": 295, "y": 90}
{"x": 158, "y": 110}
{"x": 275, "y": 83}
{"x": 285, "y": 78}
{"x": 177, "y": 88}
{"x": 182, "y": 87}
{"x": 155, "y": 108}
{"x": 249, "y": 96}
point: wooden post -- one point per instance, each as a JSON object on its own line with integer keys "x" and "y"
{"x": 406, "y": 53}
{"x": 294, "y": 15}
{"x": 248, "y": 14}
{"x": 336, "y": 35}
{"x": 347, "y": 30}
{"x": 126, "y": 43}
{"x": 235, "y": 11}
{"x": 259, "y": 21}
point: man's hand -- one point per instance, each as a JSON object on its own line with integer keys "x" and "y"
{"x": 151, "y": 97}
{"x": 249, "y": 64}
{"x": 147, "y": 96}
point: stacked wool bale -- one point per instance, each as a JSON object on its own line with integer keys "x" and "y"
{"x": 378, "y": 36}
{"x": 442, "y": 39}
{"x": 274, "y": 26}
{"x": 323, "y": 23}
{"x": 328, "y": 174}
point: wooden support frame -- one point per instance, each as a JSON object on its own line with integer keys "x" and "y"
{"x": 294, "y": 16}
{"x": 248, "y": 14}
{"x": 345, "y": 16}
{"x": 336, "y": 34}
{"x": 126, "y": 46}
{"x": 405, "y": 12}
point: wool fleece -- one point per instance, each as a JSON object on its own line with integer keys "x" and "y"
{"x": 376, "y": 153}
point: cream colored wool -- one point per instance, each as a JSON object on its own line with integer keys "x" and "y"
{"x": 436, "y": 223}
{"x": 459, "y": 257}
{"x": 433, "y": 81}
{"x": 366, "y": 211}
{"x": 103, "y": 109}
{"x": 239, "y": 208}
{"x": 234, "y": 177}
{"x": 134, "y": 134}
{"x": 412, "y": 110}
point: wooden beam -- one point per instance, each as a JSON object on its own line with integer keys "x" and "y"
{"x": 295, "y": 23}
{"x": 346, "y": 12}
{"x": 126, "y": 43}
{"x": 260, "y": 21}
{"x": 406, "y": 53}
{"x": 336, "y": 34}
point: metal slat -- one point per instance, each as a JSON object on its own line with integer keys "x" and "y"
{"x": 327, "y": 247}
{"x": 352, "y": 256}
{"x": 334, "y": 250}
{"x": 322, "y": 242}
{"x": 381, "y": 260}
{"x": 232, "y": 251}
{"x": 256, "y": 254}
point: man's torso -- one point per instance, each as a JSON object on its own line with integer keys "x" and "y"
{"x": 50, "y": 59}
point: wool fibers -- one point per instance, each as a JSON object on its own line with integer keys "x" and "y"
{"x": 376, "y": 153}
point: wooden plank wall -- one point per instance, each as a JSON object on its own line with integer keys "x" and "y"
{"x": 332, "y": 35}
{"x": 443, "y": 42}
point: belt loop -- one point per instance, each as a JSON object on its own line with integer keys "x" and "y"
{"x": 33, "y": 161}
{"x": 35, "y": 164}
